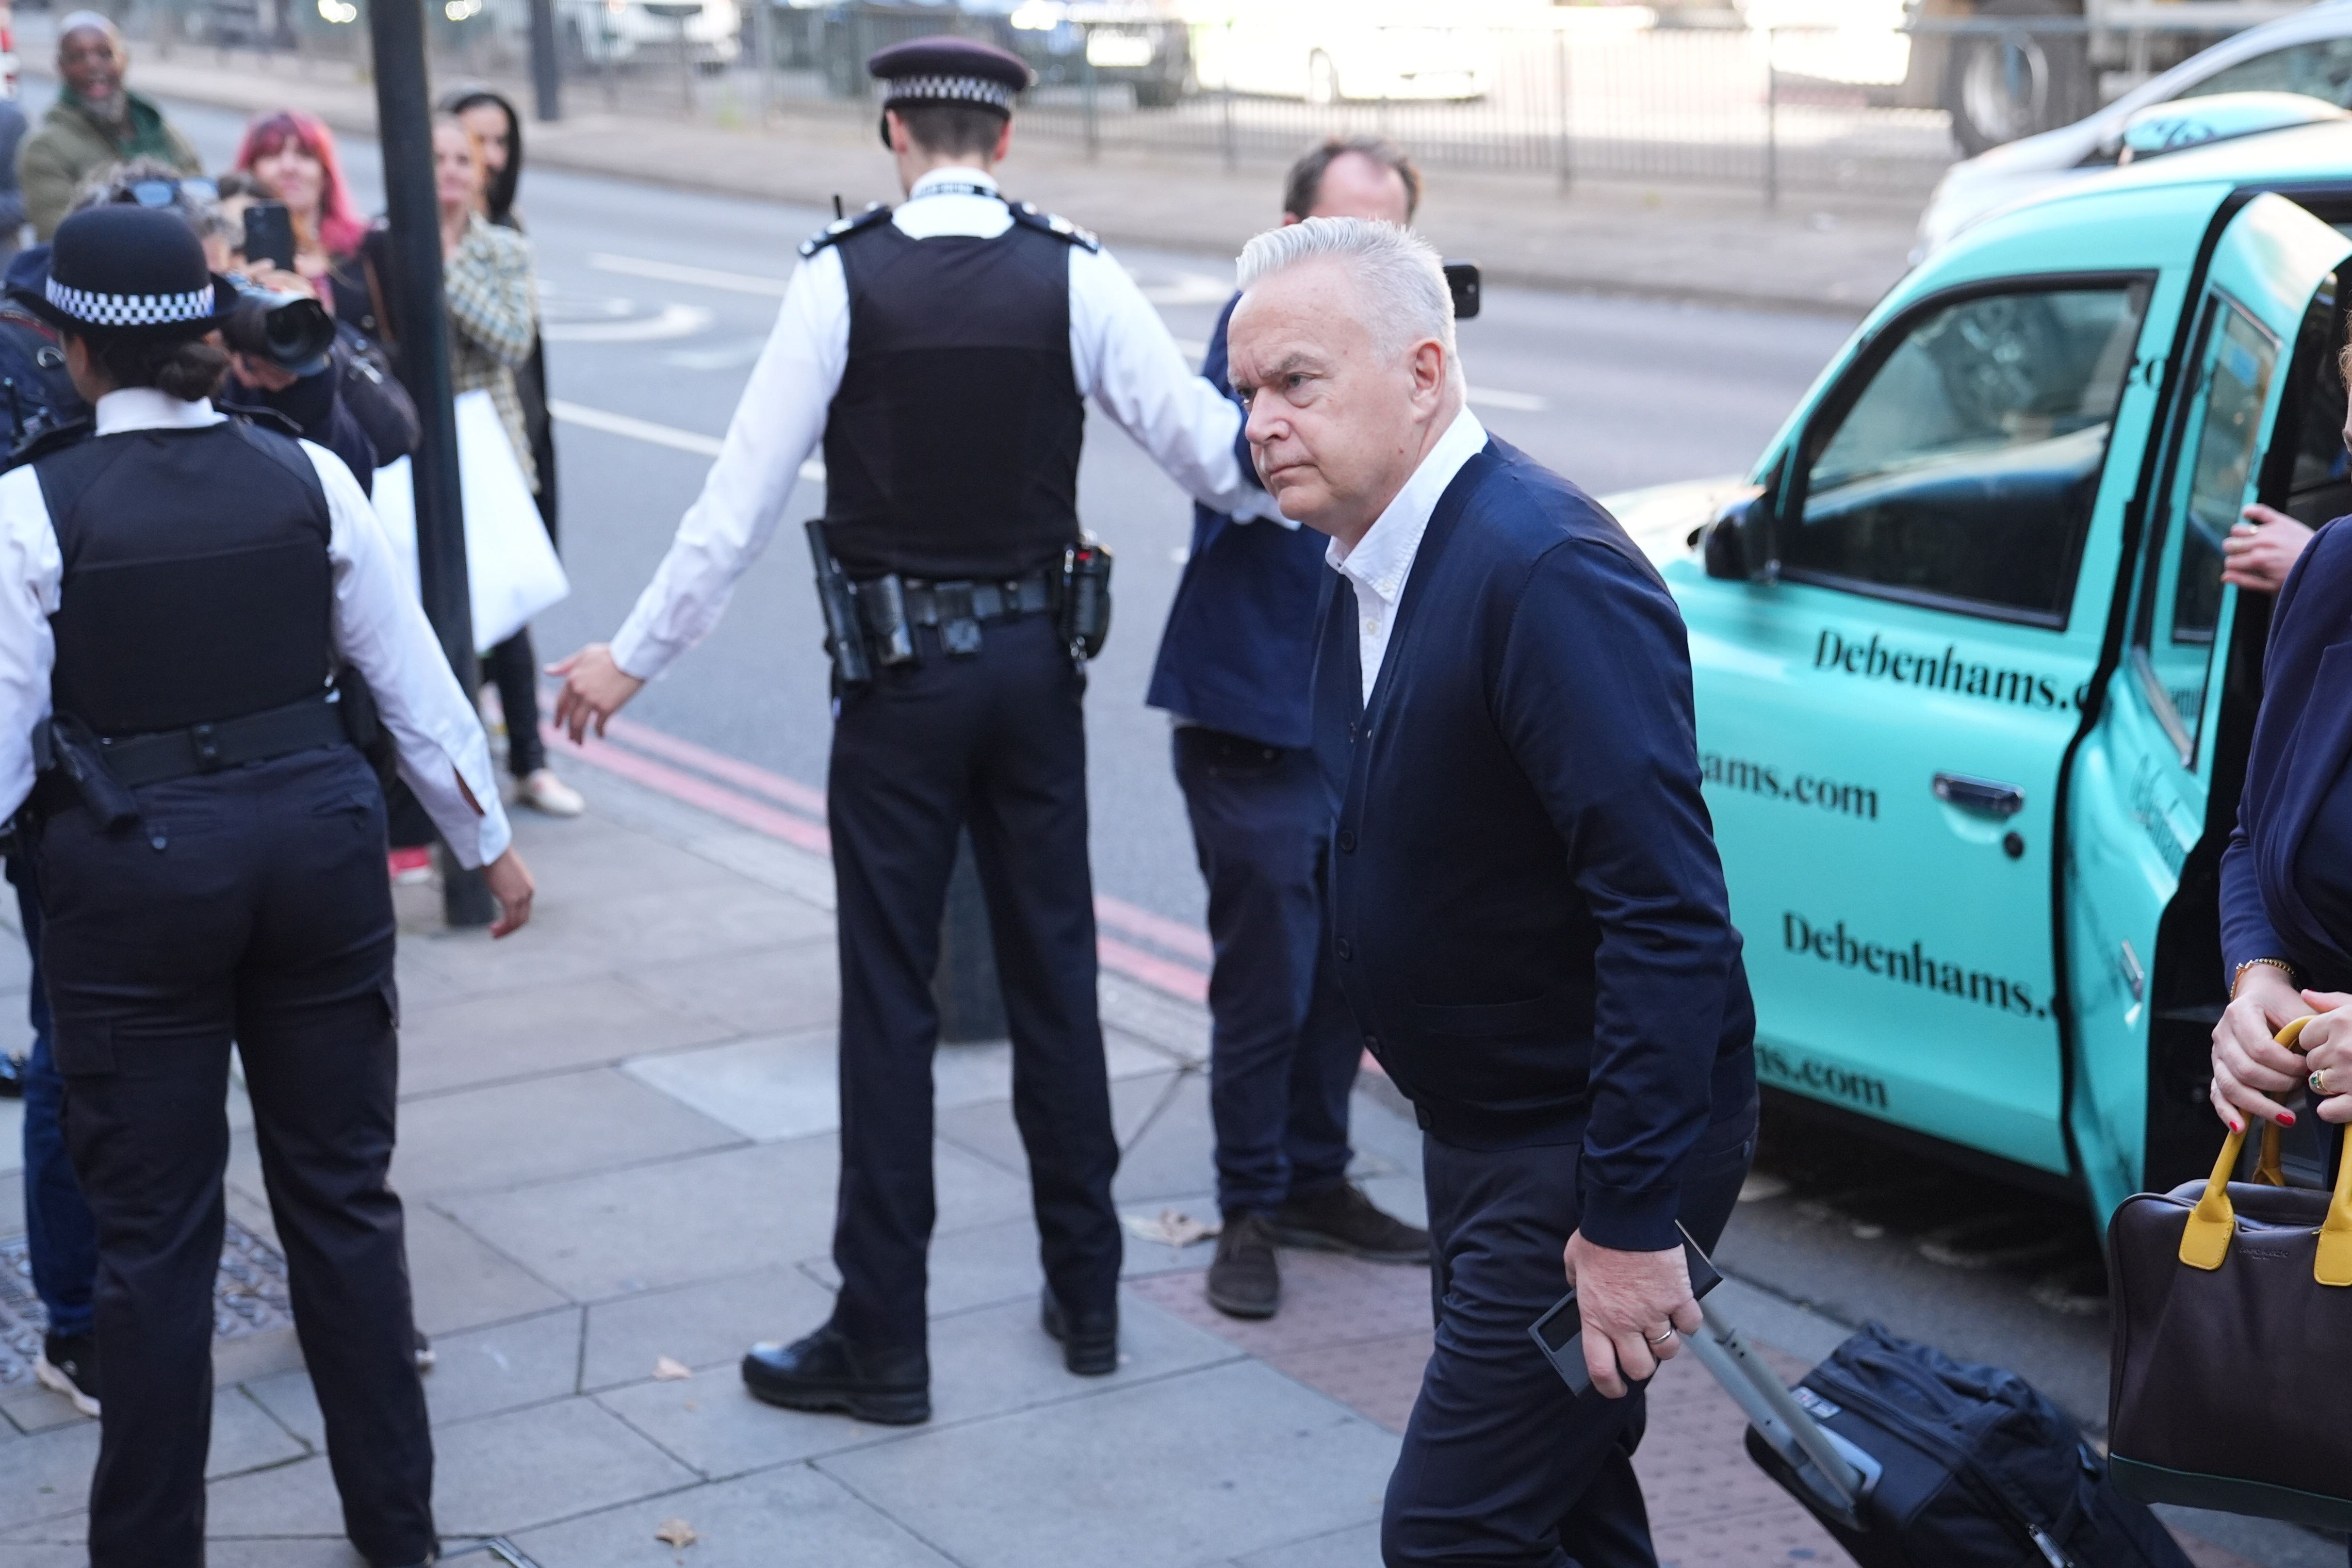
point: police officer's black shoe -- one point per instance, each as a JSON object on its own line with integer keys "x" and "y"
{"x": 1089, "y": 1339}
{"x": 825, "y": 1373}
{"x": 68, "y": 1364}
{"x": 1244, "y": 1280}
{"x": 1340, "y": 1218}
{"x": 12, "y": 1078}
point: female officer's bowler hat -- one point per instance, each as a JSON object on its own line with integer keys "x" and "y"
{"x": 122, "y": 270}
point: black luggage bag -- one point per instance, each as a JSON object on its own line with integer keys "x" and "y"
{"x": 1912, "y": 1459}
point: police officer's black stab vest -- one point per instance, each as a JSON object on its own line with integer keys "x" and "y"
{"x": 198, "y": 585}
{"x": 951, "y": 449}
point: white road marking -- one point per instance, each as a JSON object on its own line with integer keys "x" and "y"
{"x": 727, "y": 356}
{"x": 701, "y": 277}
{"x": 1517, "y": 402}
{"x": 673, "y": 321}
{"x": 668, "y": 436}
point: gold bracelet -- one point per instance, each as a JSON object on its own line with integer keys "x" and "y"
{"x": 2239, "y": 977}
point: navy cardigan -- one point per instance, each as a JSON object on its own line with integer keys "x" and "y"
{"x": 1528, "y": 913}
{"x": 2301, "y": 741}
{"x": 1239, "y": 651}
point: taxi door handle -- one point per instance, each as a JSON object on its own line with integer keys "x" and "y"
{"x": 1987, "y": 795}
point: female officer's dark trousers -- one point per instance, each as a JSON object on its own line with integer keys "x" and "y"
{"x": 246, "y": 906}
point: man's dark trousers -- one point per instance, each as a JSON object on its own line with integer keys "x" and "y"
{"x": 245, "y": 906}
{"x": 1502, "y": 1467}
{"x": 995, "y": 742}
{"x": 1283, "y": 1048}
{"x": 61, "y": 1238}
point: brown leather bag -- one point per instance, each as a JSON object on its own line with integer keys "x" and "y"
{"x": 2232, "y": 1307}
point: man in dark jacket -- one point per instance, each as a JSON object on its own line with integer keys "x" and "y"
{"x": 1528, "y": 915}
{"x": 1233, "y": 673}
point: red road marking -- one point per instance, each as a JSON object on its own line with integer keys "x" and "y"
{"x": 620, "y": 755}
{"x": 684, "y": 786}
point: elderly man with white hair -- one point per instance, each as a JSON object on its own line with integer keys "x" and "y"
{"x": 1527, "y": 912}
{"x": 95, "y": 124}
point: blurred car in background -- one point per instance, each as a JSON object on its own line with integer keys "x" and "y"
{"x": 1140, "y": 45}
{"x": 619, "y": 32}
{"x": 1330, "y": 51}
{"x": 2309, "y": 53}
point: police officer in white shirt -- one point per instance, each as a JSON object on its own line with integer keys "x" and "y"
{"x": 178, "y": 594}
{"x": 945, "y": 351}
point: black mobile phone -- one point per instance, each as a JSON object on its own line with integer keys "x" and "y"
{"x": 1461, "y": 280}
{"x": 1559, "y": 1333}
{"x": 269, "y": 235}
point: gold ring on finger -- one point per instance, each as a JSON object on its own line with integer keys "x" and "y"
{"x": 2319, "y": 1081}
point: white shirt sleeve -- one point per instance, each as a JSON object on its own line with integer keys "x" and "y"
{"x": 775, "y": 428}
{"x": 30, "y": 571}
{"x": 1129, "y": 363}
{"x": 381, "y": 629}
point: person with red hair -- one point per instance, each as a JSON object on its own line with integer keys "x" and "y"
{"x": 293, "y": 156}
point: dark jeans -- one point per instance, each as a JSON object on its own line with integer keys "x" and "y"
{"x": 1503, "y": 1466}
{"x": 1283, "y": 1048}
{"x": 61, "y": 1238}
{"x": 513, "y": 668}
{"x": 995, "y": 742}
{"x": 248, "y": 905}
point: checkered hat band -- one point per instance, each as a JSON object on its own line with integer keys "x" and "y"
{"x": 953, "y": 90}
{"x": 130, "y": 310}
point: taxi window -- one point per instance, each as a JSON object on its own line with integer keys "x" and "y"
{"x": 1963, "y": 474}
{"x": 2320, "y": 69}
{"x": 2180, "y": 593}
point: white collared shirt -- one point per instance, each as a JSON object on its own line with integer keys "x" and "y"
{"x": 1120, "y": 351}
{"x": 377, "y": 625}
{"x": 1381, "y": 562}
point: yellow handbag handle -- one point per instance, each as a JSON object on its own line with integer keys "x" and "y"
{"x": 2205, "y": 1240}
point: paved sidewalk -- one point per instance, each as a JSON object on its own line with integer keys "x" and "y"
{"x": 617, "y": 1148}
{"x": 1654, "y": 241}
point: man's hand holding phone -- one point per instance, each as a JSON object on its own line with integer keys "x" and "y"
{"x": 1635, "y": 1308}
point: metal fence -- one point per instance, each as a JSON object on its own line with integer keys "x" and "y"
{"x": 1599, "y": 91}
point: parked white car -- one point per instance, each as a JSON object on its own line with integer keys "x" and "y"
{"x": 2309, "y": 53}
{"x": 1333, "y": 51}
{"x": 620, "y": 32}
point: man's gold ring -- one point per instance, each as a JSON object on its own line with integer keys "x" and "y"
{"x": 1661, "y": 1339}
{"x": 2319, "y": 1081}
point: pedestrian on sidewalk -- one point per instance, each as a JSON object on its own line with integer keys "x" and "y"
{"x": 1528, "y": 913}
{"x": 294, "y": 157}
{"x": 944, "y": 351}
{"x": 209, "y": 862}
{"x": 1236, "y": 664}
{"x": 512, "y": 666}
{"x": 95, "y": 122}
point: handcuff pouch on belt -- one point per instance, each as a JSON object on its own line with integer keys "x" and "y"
{"x": 871, "y": 623}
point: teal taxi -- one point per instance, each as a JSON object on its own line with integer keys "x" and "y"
{"x": 1973, "y": 702}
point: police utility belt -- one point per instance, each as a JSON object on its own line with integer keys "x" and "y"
{"x": 73, "y": 766}
{"x": 870, "y": 623}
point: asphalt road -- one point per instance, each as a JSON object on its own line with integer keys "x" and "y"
{"x": 656, "y": 302}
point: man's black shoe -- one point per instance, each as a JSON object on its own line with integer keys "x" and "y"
{"x": 12, "y": 1078}
{"x": 1244, "y": 1281}
{"x": 825, "y": 1373}
{"x": 68, "y": 1364}
{"x": 1340, "y": 1218}
{"x": 1089, "y": 1339}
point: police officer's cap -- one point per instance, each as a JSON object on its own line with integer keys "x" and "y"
{"x": 120, "y": 270}
{"x": 948, "y": 69}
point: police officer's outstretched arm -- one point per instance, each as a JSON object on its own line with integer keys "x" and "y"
{"x": 1129, "y": 363}
{"x": 380, "y": 627}
{"x": 775, "y": 428}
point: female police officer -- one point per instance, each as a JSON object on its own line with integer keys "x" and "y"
{"x": 176, "y": 596}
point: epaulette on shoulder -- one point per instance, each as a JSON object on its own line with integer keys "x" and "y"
{"x": 1061, "y": 228}
{"x": 841, "y": 228}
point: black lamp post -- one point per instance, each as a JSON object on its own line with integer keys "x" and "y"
{"x": 404, "y": 126}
